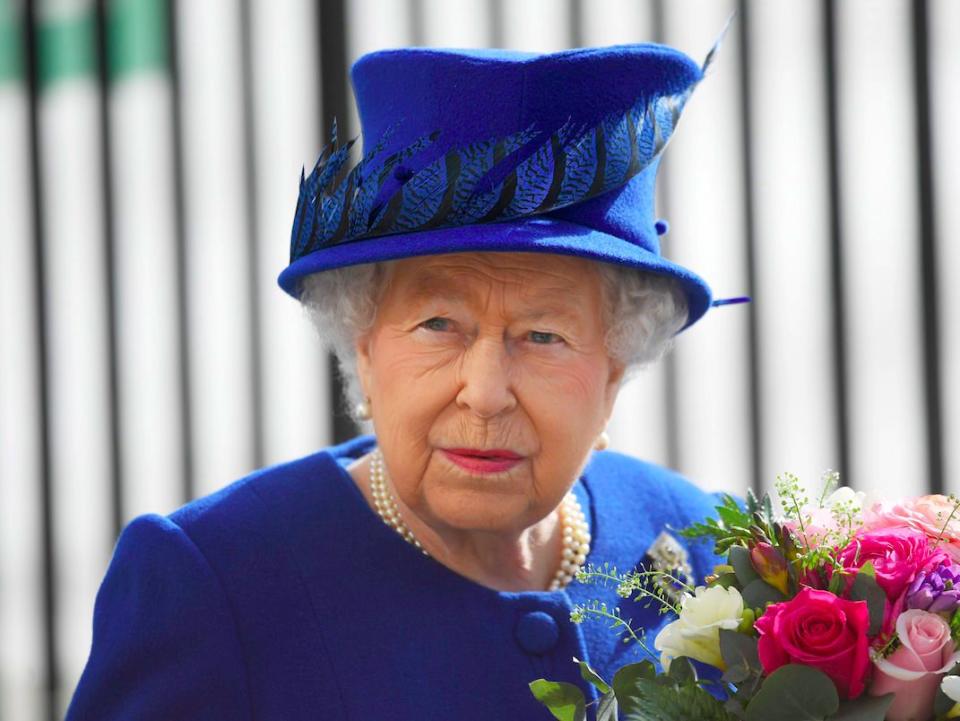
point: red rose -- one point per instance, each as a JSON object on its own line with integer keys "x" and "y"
{"x": 818, "y": 629}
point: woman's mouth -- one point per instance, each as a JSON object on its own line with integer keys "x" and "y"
{"x": 476, "y": 460}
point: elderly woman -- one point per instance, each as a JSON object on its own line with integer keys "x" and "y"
{"x": 488, "y": 276}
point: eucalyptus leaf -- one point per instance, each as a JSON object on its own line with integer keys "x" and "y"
{"x": 865, "y": 588}
{"x": 742, "y": 566}
{"x": 739, "y": 653}
{"x": 592, "y": 677}
{"x": 726, "y": 580}
{"x": 758, "y": 593}
{"x": 626, "y": 675}
{"x": 794, "y": 693}
{"x": 733, "y": 706}
{"x": 735, "y": 675}
{"x": 564, "y": 700}
{"x": 607, "y": 708}
{"x": 865, "y": 708}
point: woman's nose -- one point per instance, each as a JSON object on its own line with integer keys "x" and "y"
{"x": 485, "y": 383}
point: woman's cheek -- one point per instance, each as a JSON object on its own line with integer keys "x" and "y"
{"x": 573, "y": 378}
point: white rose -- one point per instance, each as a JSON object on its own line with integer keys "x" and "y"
{"x": 696, "y": 633}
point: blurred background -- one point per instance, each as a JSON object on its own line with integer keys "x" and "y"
{"x": 150, "y": 153}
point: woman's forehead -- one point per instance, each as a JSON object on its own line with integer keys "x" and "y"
{"x": 458, "y": 275}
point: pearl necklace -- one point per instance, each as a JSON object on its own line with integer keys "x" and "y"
{"x": 576, "y": 533}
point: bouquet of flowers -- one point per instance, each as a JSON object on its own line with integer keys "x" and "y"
{"x": 825, "y": 610}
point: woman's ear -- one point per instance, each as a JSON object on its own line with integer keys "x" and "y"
{"x": 362, "y": 349}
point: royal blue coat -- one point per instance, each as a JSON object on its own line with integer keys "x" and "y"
{"x": 284, "y": 597}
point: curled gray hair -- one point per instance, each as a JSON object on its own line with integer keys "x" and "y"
{"x": 642, "y": 313}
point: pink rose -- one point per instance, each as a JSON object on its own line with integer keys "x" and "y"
{"x": 816, "y": 628}
{"x": 927, "y": 514}
{"x": 914, "y": 670}
{"x": 897, "y": 555}
{"x": 818, "y": 524}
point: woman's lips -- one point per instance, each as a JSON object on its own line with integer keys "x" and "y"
{"x": 483, "y": 461}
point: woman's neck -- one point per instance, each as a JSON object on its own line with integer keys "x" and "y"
{"x": 513, "y": 562}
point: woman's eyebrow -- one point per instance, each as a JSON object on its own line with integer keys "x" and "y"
{"x": 538, "y": 312}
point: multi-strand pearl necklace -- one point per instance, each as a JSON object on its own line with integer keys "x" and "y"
{"x": 576, "y": 533}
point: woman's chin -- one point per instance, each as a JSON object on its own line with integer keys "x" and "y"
{"x": 481, "y": 510}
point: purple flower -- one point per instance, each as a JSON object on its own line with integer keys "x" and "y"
{"x": 936, "y": 590}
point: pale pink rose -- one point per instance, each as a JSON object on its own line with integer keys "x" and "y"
{"x": 818, "y": 524}
{"x": 924, "y": 513}
{"x": 914, "y": 670}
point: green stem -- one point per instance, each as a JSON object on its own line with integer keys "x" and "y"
{"x": 947, "y": 523}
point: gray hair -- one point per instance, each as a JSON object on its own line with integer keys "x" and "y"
{"x": 642, "y": 313}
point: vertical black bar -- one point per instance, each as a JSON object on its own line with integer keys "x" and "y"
{"x": 109, "y": 225}
{"x": 418, "y": 35}
{"x": 928, "y": 256}
{"x": 835, "y": 199}
{"x": 753, "y": 361}
{"x": 51, "y": 669}
{"x": 253, "y": 215}
{"x": 183, "y": 301}
{"x": 671, "y": 418}
{"x": 497, "y": 33}
{"x": 335, "y": 96}
{"x": 575, "y": 19}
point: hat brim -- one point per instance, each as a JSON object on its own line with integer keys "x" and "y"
{"x": 531, "y": 235}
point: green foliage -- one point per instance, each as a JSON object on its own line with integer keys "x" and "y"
{"x": 636, "y": 584}
{"x": 564, "y": 700}
{"x": 661, "y": 699}
{"x": 739, "y": 653}
{"x": 607, "y": 708}
{"x": 942, "y": 704}
{"x": 794, "y": 693}
{"x": 953, "y": 512}
{"x": 641, "y": 584}
{"x": 865, "y": 588}
{"x": 865, "y": 708}
{"x": 733, "y": 526}
{"x": 592, "y": 677}
{"x": 635, "y": 694}
{"x": 627, "y": 675}
{"x": 757, "y": 594}
{"x": 682, "y": 670}
{"x": 739, "y": 558}
{"x": 598, "y": 610}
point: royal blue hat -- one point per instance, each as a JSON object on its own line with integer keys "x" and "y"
{"x": 496, "y": 150}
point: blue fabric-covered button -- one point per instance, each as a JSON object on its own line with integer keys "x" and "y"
{"x": 537, "y": 632}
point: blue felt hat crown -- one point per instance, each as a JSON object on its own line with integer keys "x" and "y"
{"x": 497, "y": 150}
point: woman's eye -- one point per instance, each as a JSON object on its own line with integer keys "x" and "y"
{"x": 438, "y": 324}
{"x": 541, "y": 337}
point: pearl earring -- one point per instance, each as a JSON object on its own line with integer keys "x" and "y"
{"x": 603, "y": 441}
{"x": 362, "y": 410}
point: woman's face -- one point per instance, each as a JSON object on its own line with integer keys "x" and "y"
{"x": 482, "y": 352}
